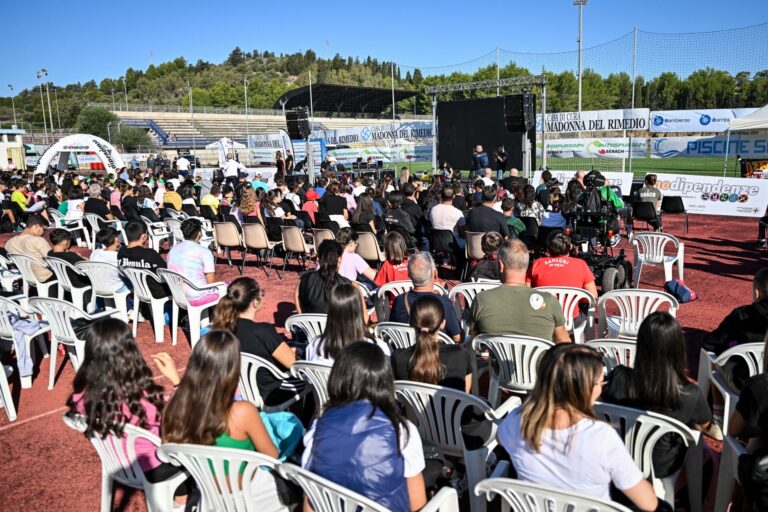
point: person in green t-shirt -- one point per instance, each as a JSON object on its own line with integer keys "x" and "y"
{"x": 514, "y": 308}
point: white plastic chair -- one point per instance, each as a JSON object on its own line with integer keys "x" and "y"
{"x": 751, "y": 353}
{"x": 438, "y": 412}
{"x": 527, "y": 497}
{"x": 6, "y": 398}
{"x": 140, "y": 279}
{"x": 249, "y": 368}
{"x": 729, "y": 471}
{"x": 58, "y": 220}
{"x": 224, "y": 476}
{"x": 569, "y": 299}
{"x": 399, "y": 336}
{"x": 517, "y": 359}
{"x": 8, "y": 307}
{"x": 59, "y": 315}
{"x": 326, "y": 496}
{"x": 177, "y": 283}
{"x": 311, "y": 324}
{"x": 119, "y": 464}
{"x": 100, "y": 274}
{"x": 730, "y": 399}
{"x": 468, "y": 291}
{"x": 649, "y": 250}
{"x": 95, "y": 222}
{"x": 156, "y": 232}
{"x": 394, "y": 289}
{"x": 634, "y": 306}
{"x": 174, "y": 225}
{"x": 315, "y": 373}
{"x": 25, "y": 264}
{"x": 8, "y": 275}
{"x": 641, "y": 430}
{"x": 615, "y": 352}
{"x": 61, "y": 269}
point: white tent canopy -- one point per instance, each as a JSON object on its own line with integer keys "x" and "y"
{"x": 80, "y": 143}
{"x": 225, "y": 142}
{"x": 757, "y": 120}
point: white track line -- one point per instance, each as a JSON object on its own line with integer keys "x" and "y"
{"x": 60, "y": 409}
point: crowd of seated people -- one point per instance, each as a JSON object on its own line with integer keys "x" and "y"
{"x": 550, "y": 440}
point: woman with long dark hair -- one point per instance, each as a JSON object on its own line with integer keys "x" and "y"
{"x": 114, "y": 387}
{"x": 361, "y": 440}
{"x": 236, "y": 313}
{"x": 364, "y": 213}
{"x": 203, "y": 409}
{"x": 658, "y": 383}
{"x": 430, "y": 361}
{"x": 314, "y": 287}
{"x": 528, "y": 206}
{"x": 556, "y": 439}
{"x": 344, "y": 326}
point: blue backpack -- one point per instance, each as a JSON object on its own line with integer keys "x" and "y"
{"x": 680, "y": 291}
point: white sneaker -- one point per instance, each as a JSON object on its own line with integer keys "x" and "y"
{"x": 615, "y": 240}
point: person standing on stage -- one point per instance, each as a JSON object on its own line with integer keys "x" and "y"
{"x": 232, "y": 169}
{"x": 480, "y": 161}
{"x": 280, "y": 164}
{"x": 289, "y": 161}
{"x": 501, "y": 162}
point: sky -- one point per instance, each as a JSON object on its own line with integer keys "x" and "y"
{"x": 81, "y": 40}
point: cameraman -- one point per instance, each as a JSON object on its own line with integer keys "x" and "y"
{"x": 479, "y": 161}
{"x": 501, "y": 162}
{"x": 609, "y": 203}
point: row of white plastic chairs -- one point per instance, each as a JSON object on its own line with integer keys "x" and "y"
{"x": 437, "y": 412}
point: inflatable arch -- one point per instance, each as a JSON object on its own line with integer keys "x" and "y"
{"x": 80, "y": 143}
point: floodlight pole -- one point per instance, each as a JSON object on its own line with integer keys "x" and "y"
{"x": 543, "y": 164}
{"x": 192, "y": 117}
{"x": 42, "y": 104}
{"x": 581, "y": 4}
{"x": 392, "y": 67}
{"x": 13, "y": 105}
{"x": 56, "y": 100}
{"x": 247, "y": 127}
{"x": 498, "y": 70}
{"x": 634, "y": 81}
{"x": 125, "y": 92}
{"x": 434, "y": 132}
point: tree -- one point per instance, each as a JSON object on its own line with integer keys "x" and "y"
{"x": 133, "y": 139}
{"x": 94, "y": 121}
{"x": 236, "y": 57}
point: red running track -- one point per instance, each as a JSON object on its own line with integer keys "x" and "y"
{"x": 47, "y": 466}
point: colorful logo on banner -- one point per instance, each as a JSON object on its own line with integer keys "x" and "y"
{"x": 706, "y": 120}
{"x": 710, "y": 195}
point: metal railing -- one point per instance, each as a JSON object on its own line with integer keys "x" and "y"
{"x": 183, "y": 109}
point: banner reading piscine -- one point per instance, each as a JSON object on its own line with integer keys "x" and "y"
{"x": 744, "y": 145}
{"x": 710, "y": 195}
{"x": 376, "y": 133}
{"x": 596, "y": 120}
{"x": 607, "y": 147}
{"x": 706, "y": 120}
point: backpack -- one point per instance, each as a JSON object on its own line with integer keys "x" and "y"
{"x": 680, "y": 291}
{"x": 593, "y": 202}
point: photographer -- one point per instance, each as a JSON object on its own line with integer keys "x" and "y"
{"x": 501, "y": 162}
{"x": 600, "y": 198}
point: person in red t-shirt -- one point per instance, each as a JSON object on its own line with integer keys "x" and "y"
{"x": 560, "y": 269}
{"x": 395, "y": 267}
{"x": 310, "y": 205}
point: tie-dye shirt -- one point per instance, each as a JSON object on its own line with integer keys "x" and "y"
{"x": 193, "y": 261}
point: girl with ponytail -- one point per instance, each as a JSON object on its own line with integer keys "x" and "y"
{"x": 236, "y": 313}
{"x": 429, "y": 360}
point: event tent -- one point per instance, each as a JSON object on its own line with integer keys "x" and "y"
{"x": 757, "y": 120}
{"x": 224, "y": 146}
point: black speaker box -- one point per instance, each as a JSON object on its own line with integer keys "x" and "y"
{"x": 297, "y": 121}
{"x": 520, "y": 112}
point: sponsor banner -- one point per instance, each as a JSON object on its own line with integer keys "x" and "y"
{"x": 706, "y": 120}
{"x": 623, "y": 180}
{"x": 376, "y": 133}
{"x": 389, "y": 154}
{"x": 606, "y": 147}
{"x": 710, "y": 195}
{"x": 263, "y": 148}
{"x": 140, "y": 157}
{"x": 596, "y": 121}
{"x": 85, "y": 158}
{"x": 31, "y": 161}
{"x": 748, "y": 146}
{"x": 318, "y": 151}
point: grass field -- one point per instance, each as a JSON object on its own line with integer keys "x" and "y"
{"x": 640, "y": 166}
